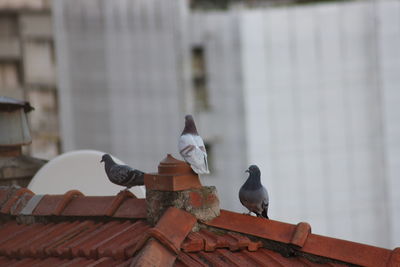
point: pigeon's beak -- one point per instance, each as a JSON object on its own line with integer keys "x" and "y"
{"x": 247, "y": 171}
{"x": 101, "y": 160}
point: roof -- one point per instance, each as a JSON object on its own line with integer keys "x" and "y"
{"x": 77, "y": 230}
{"x": 11, "y": 104}
{"x": 25, "y": 4}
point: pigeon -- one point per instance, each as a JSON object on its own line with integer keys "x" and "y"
{"x": 253, "y": 194}
{"x": 122, "y": 174}
{"x": 191, "y": 147}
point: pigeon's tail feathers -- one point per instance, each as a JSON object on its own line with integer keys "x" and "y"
{"x": 206, "y": 164}
{"x": 135, "y": 178}
{"x": 264, "y": 213}
{"x": 139, "y": 180}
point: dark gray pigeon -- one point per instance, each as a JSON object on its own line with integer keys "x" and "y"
{"x": 122, "y": 174}
{"x": 253, "y": 194}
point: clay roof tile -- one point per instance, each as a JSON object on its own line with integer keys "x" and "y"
{"x": 119, "y": 235}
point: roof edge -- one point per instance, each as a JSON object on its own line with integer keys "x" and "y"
{"x": 26, "y": 207}
{"x": 298, "y": 238}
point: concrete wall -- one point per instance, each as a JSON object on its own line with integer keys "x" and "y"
{"x": 308, "y": 93}
{"x": 121, "y": 77}
{"x": 221, "y": 124}
{"x": 388, "y": 15}
{"x": 28, "y": 69}
{"x": 325, "y": 78}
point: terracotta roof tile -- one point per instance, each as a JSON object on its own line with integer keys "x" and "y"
{"x": 171, "y": 234}
{"x": 184, "y": 259}
{"x": 47, "y": 205}
{"x": 394, "y": 258}
{"x": 261, "y": 257}
{"x": 89, "y": 239}
{"x": 269, "y": 229}
{"x": 132, "y": 208}
{"x": 154, "y": 254}
{"x": 208, "y": 241}
{"x": 88, "y": 206}
{"x": 72, "y": 203}
{"x": 193, "y": 242}
{"x": 346, "y": 251}
{"x": 300, "y": 236}
{"x": 168, "y": 237}
{"x": 60, "y": 233}
{"x": 7, "y": 206}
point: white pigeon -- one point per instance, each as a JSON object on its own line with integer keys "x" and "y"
{"x": 191, "y": 147}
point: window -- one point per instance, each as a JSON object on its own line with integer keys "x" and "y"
{"x": 199, "y": 79}
{"x": 9, "y": 75}
{"x": 8, "y": 26}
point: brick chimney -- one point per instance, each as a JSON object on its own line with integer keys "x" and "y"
{"x": 176, "y": 185}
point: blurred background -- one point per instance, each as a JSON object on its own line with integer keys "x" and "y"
{"x": 307, "y": 90}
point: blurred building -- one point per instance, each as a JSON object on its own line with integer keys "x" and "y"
{"x": 15, "y": 168}
{"x": 28, "y": 70}
{"x": 309, "y": 93}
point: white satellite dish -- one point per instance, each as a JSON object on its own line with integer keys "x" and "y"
{"x": 80, "y": 170}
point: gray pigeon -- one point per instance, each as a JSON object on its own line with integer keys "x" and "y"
{"x": 253, "y": 194}
{"x": 191, "y": 147}
{"x": 122, "y": 174}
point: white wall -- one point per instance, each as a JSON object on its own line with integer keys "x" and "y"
{"x": 309, "y": 93}
{"x": 122, "y": 72}
{"x": 223, "y": 123}
{"x": 388, "y": 45}
{"x": 314, "y": 82}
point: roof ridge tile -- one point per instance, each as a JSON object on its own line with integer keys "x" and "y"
{"x": 194, "y": 242}
{"x": 394, "y": 260}
{"x": 117, "y": 201}
{"x": 67, "y": 197}
{"x": 116, "y": 241}
{"x": 244, "y": 242}
{"x": 163, "y": 242}
{"x": 22, "y": 202}
{"x": 7, "y": 206}
{"x": 172, "y": 237}
{"x": 31, "y": 205}
{"x": 301, "y": 239}
{"x": 300, "y": 234}
{"x": 210, "y": 241}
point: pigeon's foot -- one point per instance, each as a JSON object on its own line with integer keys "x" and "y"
{"x": 247, "y": 213}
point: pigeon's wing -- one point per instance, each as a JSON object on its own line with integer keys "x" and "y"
{"x": 120, "y": 174}
{"x": 254, "y": 200}
{"x": 248, "y": 199}
{"x": 199, "y": 142}
{"x": 265, "y": 204}
{"x": 185, "y": 144}
{"x": 136, "y": 178}
{"x": 242, "y": 196}
{"x": 194, "y": 154}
